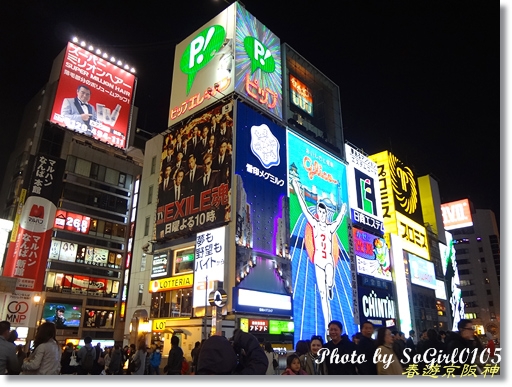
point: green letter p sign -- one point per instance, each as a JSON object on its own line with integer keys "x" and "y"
{"x": 201, "y": 51}
{"x": 259, "y": 55}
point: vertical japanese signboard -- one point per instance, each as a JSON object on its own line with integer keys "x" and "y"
{"x": 209, "y": 264}
{"x": 363, "y": 191}
{"x": 258, "y": 63}
{"x": 319, "y": 245}
{"x": 94, "y": 97}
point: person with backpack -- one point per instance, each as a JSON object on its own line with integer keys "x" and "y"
{"x": 86, "y": 357}
{"x": 154, "y": 362}
{"x": 273, "y": 363}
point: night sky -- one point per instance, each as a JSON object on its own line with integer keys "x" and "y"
{"x": 420, "y": 79}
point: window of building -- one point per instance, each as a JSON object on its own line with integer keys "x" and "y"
{"x": 141, "y": 294}
{"x": 463, "y": 261}
{"x": 480, "y": 249}
{"x": 482, "y": 259}
{"x": 153, "y": 165}
{"x": 489, "y": 293}
{"x": 464, "y": 272}
{"x": 150, "y": 194}
{"x": 112, "y": 176}
{"x": 174, "y": 303}
{"x": 491, "y": 303}
{"x": 122, "y": 180}
{"x": 466, "y": 282}
{"x": 146, "y": 226}
{"x": 83, "y": 167}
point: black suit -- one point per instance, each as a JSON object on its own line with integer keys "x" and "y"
{"x": 163, "y": 191}
{"x": 172, "y": 193}
{"x": 213, "y": 181}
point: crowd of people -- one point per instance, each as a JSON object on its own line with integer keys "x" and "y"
{"x": 244, "y": 354}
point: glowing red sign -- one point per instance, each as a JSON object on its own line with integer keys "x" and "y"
{"x": 72, "y": 222}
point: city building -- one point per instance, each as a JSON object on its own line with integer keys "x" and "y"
{"x": 70, "y": 189}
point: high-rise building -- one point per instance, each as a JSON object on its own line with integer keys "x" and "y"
{"x": 70, "y": 189}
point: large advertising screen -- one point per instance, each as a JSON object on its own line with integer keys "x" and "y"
{"x": 452, "y": 281}
{"x": 94, "y": 97}
{"x": 62, "y": 315}
{"x": 300, "y": 95}
{"x": 364, "y": 191}
{"x": 456, "y": 214}
{"x": 261, "y": 234}
{"x": 372, "y": 255}
{"x": 258, "y": 63}
{"x": 319, "y": 245}
{"x": 194, "y": 191}
{"x": 203, "y": 67}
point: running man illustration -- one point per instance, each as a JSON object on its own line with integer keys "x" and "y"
{"x": 323, "y": 234}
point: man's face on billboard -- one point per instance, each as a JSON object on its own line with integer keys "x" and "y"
{"x": 83, "y": 94}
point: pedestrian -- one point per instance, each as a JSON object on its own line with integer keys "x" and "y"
{"x": 154, "y": 361}
{"x": 343, "y": 346}
{"x": 194, "y": 354}
{"x": 8, "y": 359}
{"x": 463, "y": 340}
{"x": 115, "y": 366}
{"x": 45, "y": 358}
{"x": 138, "y": 363}
{"x": 311, "y": 362}
{"x": 175, "y": 359}
{"x": 384, "y": 343}
{"x": 65, "y": 360}
{"x": 271, "y": 356}
{"x": 293, "y": 366}
{"x": 241, "y": 355}
{"x": 366, "y": 348}
{"x": 86, "y": 357}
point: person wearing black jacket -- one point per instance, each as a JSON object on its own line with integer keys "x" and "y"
{"x": 367, "y": 348}
{"x": 242, "y": 355}
{"x": 175, "y": 360}
{"x": 339, "y": 345}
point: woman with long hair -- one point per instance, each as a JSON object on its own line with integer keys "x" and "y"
{"x": 384, "y": 343}
{"x": 45, "y": 356}
{"x": 271, "y": 355}
{"x": 309, "y": 360}
{"x": 293, "y": 366}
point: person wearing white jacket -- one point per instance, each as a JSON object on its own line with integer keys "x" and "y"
{"x": 45, "y": 358}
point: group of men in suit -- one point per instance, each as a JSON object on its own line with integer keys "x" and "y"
{"x": 196, "y": 163}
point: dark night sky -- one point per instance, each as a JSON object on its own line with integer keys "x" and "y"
{"x": 418, "y": 78}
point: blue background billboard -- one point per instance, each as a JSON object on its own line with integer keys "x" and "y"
{"x": 262, "y": 262}
{"x": 322, "y": 289}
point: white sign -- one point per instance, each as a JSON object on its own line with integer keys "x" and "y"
{"x": 208, "y": 264}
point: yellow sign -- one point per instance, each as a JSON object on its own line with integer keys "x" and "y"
{"x": 413, "y": 235}
{"x": 171, "y": 283}
{"x": 386, "y": 190}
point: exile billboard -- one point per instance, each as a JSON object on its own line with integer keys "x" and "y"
{"x": 261, "y": 233}
{"x": 194, "y": 190}
{"x": 94, "y": 97}
{"x": 320, "y": 240}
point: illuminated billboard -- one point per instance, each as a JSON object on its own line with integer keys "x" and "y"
{"x": 399, "y": 188}
{"x": 301, "y": 96}
{"x": 209, "y": 264}
{"x": 422, "y": 271}
{"x": 258, "y": 63}
{"x": 457, "y": 214}
{"x": 70, "y": 221}
{"x": 363, "y": 191}
{"x": 377, "y": 306}
{"x": 196, "y": 165}
{"x": 27, "y": 257}
{"x": 372, "y": 255}
{"x": 261, "y": 236}
{"x": 413, "y": 235}
{"x": 452, "y": 281}
{"x": 203, "y": 67}
{"x": 94, "y": 97}
{"x": 319, "y": 245}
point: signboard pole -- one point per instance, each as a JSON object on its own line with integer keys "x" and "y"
{"x": 205, "y": 330}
